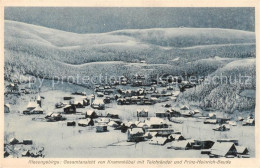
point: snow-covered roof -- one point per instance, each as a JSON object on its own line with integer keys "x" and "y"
{"x": 84, "y": 121}
{"x": 112, "y": 124}
{"x": 55, "y": 114}
{"x": 8, "y": 105}
{"x": 100, "y": 93}
{"x": 155, "y": 121}
{"x": 221, "y": 149}
{"x": 142, "y": 124}
{"x": 32, "y": 105}
{"x": 176, "y": 136}
{"x": 90, "y": 112}
{"x": 158, "y": 140}
{"x": 241, "y": 149}
{"x": 128, "y": 124}
{"x": 133, "y": 131}
{"x": 67, "y": 106}
{"x": 98, "y": 101}
{"x": 180, "y": 144}
{"x": 211, "y": 120}
{"x": 142, "y": 110}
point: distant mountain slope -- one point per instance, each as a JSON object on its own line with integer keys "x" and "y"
{"x": 126, "y": 45}
{"x": 188, "y": 37}
{"x": 222, "y": 89}
{"x": 40, "y": 51}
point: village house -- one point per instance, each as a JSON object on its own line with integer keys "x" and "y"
{"x": 222, "y": 127}
{"x": 98, "y": 104}
{"x": 173, "y": 112}
{"x": 223, "y": 149}
{"x": 60, "y": 105}
{"x": 50, "y": 117}
{"x": 107, "y": 100}
{"x": 159, "y": 141}
{"x": 77, "y": 103}
{"x": 26, "y": 153}
{"x": 155, "y": 122}
{"x": 210, "y": 121}
{"x": 131, "y": 124}
{"x": 69, "y": 109}
{"x": 91, "y": 114}
{"x": 164, "y": 132}
{"x": 67, "y": 98}
{"x": 203, "y": 144}
{"x": 37, "y": 110}
{"x": 142, "y": 125}
{"x": 71, "y": 123}
{"x": 101, "y": 127}
{"x": 241, "y": 150}
{"x": 135, "y": 135}
{"x": 79, "y": 93}
{"x": 235, "y": 141}
{"x": 114, "y": 116}
{"x": 13, "y": 141}
{"x": 13, "y": 87}
{"x": 222, "y": 120}
{"x": 176, "y": 137}
{"x": 212, "y": 115}
{"x": 33, "y": 108}
{"x": 142, "y": 113}
{"x": 162, "y": 114}
{"x": 250, "y": 121}
{"x": 86, "y": 122}
{"x": 27, "y": 142}
{"x": 180, "y": 145}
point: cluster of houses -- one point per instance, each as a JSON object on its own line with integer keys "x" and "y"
{"x": 142, "y": 96}
{"x": 155, "y": 129}
{"x": 157, "y": 132}
{"x": 13, "y": 88}
{"x": 225, "y": 122}
{"x": 16, "y": 149}
{"x": 34, "y": 107}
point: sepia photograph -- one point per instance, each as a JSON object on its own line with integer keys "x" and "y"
{"x": 129, "y": 82}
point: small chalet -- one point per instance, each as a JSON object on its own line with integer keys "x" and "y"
{"x": 142, "y": 113}
{"x": 91, "y": 114}
{"x": 159, "y": 141}
{"x": 86, "y": 122}
{"x": 135, "y": 135}
{"x": 223, "y": 149}
{"x": 69, "y": 109}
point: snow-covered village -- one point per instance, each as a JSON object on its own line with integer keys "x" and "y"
{"x": 175, "y": 91}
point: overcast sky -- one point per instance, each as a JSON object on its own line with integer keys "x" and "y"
{"x": 97, "y": 20}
